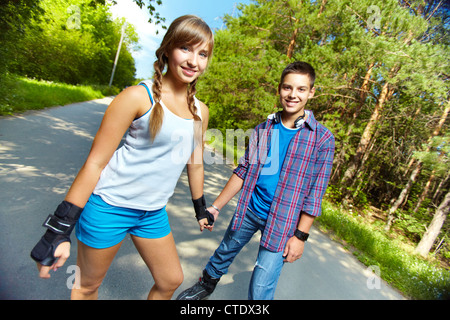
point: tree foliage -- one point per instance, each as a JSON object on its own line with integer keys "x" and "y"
{"x": 66, "y": 41}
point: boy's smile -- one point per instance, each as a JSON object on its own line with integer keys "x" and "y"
{"x": 295, "y": 91}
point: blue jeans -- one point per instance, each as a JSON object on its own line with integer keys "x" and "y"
{"x": 268, "y": 264}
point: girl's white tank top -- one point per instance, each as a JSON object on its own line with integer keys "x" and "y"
{"x": 142, "y": 174}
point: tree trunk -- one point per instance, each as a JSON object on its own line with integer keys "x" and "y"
{"x": 290, "y": 51}
{"x": 425, "y": 191}
{"x": 441, "y": 186}
{"x": 366, "y": 137}
{"x": 402, "y": 196}
{"x": 444, "y": 116}
{"x": 428, "y": 239}
{"x": 339, "y": 159}
{"x": 322, "y": 7}
{"x": 366, "y": 84}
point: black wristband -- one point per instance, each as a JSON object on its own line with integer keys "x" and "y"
{"x": 60, "y": 226}
{"x": 64, "y": 219}
{"x": 301, "y": 235}
{"x": 200, "y": 210}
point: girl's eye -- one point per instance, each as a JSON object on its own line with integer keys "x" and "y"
{"x": 185, "y": 48}
{"x": 204, "y": 54}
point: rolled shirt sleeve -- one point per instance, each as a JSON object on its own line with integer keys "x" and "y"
{"x": 321, "y": 173}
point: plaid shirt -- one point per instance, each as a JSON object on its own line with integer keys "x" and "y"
{"x": 303, "y": 179}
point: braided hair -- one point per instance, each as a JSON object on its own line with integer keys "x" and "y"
{"x": 185, "y": 30}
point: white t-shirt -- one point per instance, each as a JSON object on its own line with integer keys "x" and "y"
{"x": 142, "y": 174}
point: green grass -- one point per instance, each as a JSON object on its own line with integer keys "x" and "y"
{"x": 18, "y": 94}
{"x": 416, "y": 277}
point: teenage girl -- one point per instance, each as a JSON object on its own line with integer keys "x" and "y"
{"x": 126, "y": 190}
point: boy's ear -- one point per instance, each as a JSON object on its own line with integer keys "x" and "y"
{"x": 312, "y": 92}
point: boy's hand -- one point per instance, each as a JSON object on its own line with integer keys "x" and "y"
{"x": 293, "y": 250}
{"x": 203, "y": 223}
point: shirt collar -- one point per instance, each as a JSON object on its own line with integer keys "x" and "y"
{"x": 310, "y": 122}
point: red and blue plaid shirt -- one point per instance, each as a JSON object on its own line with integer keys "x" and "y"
{"x": 303, "y": 179}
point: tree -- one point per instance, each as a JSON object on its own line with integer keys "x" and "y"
{"x": 73, "y": 42}
{"x": 393, "y": 43}
{"x": 15, "y": 16}
{"x": 417, "y": 169}
{"x": 428, "y": 239}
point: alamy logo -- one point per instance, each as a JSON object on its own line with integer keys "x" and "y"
{"x": 257, "y": 150}
{"x": 74, "y": 21}
{"x": 374, "y": 21}
{"x": 73, "y": 281}
{"x": 373, "y": 277}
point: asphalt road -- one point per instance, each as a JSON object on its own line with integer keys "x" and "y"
{"x": 40, "y": 154}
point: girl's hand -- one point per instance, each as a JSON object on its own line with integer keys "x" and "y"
{"x": 62, "y": 253}
{"x": 215, "y": 213}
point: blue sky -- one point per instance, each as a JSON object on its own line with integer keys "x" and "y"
{"x": 208, "y": 10}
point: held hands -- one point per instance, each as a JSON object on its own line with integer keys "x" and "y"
{"x": 204, "y": 217}
{"x": 204, "y": 222}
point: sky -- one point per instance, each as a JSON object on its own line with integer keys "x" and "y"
{"x": 209, "y": 10}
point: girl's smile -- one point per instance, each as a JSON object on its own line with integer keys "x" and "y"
{"x": 188, "y": 62}
{"x": 188, "y": 72}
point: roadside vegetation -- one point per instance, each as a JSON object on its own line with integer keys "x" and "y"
{"x": 404, "y": 269}
{"x": 19, "y": 94}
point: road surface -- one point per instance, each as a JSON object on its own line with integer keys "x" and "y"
{"x": 40, "y": 154}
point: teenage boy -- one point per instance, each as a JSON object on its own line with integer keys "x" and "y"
{"x": 283, "y": 176}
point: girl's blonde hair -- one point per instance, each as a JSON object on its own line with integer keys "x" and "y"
{"x": 185, "y": 30}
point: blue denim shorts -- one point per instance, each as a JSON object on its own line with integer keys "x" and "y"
{"x": 102, "y": 225}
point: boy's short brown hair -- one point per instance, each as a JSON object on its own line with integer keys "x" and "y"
{"x": 300, "y": 67}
